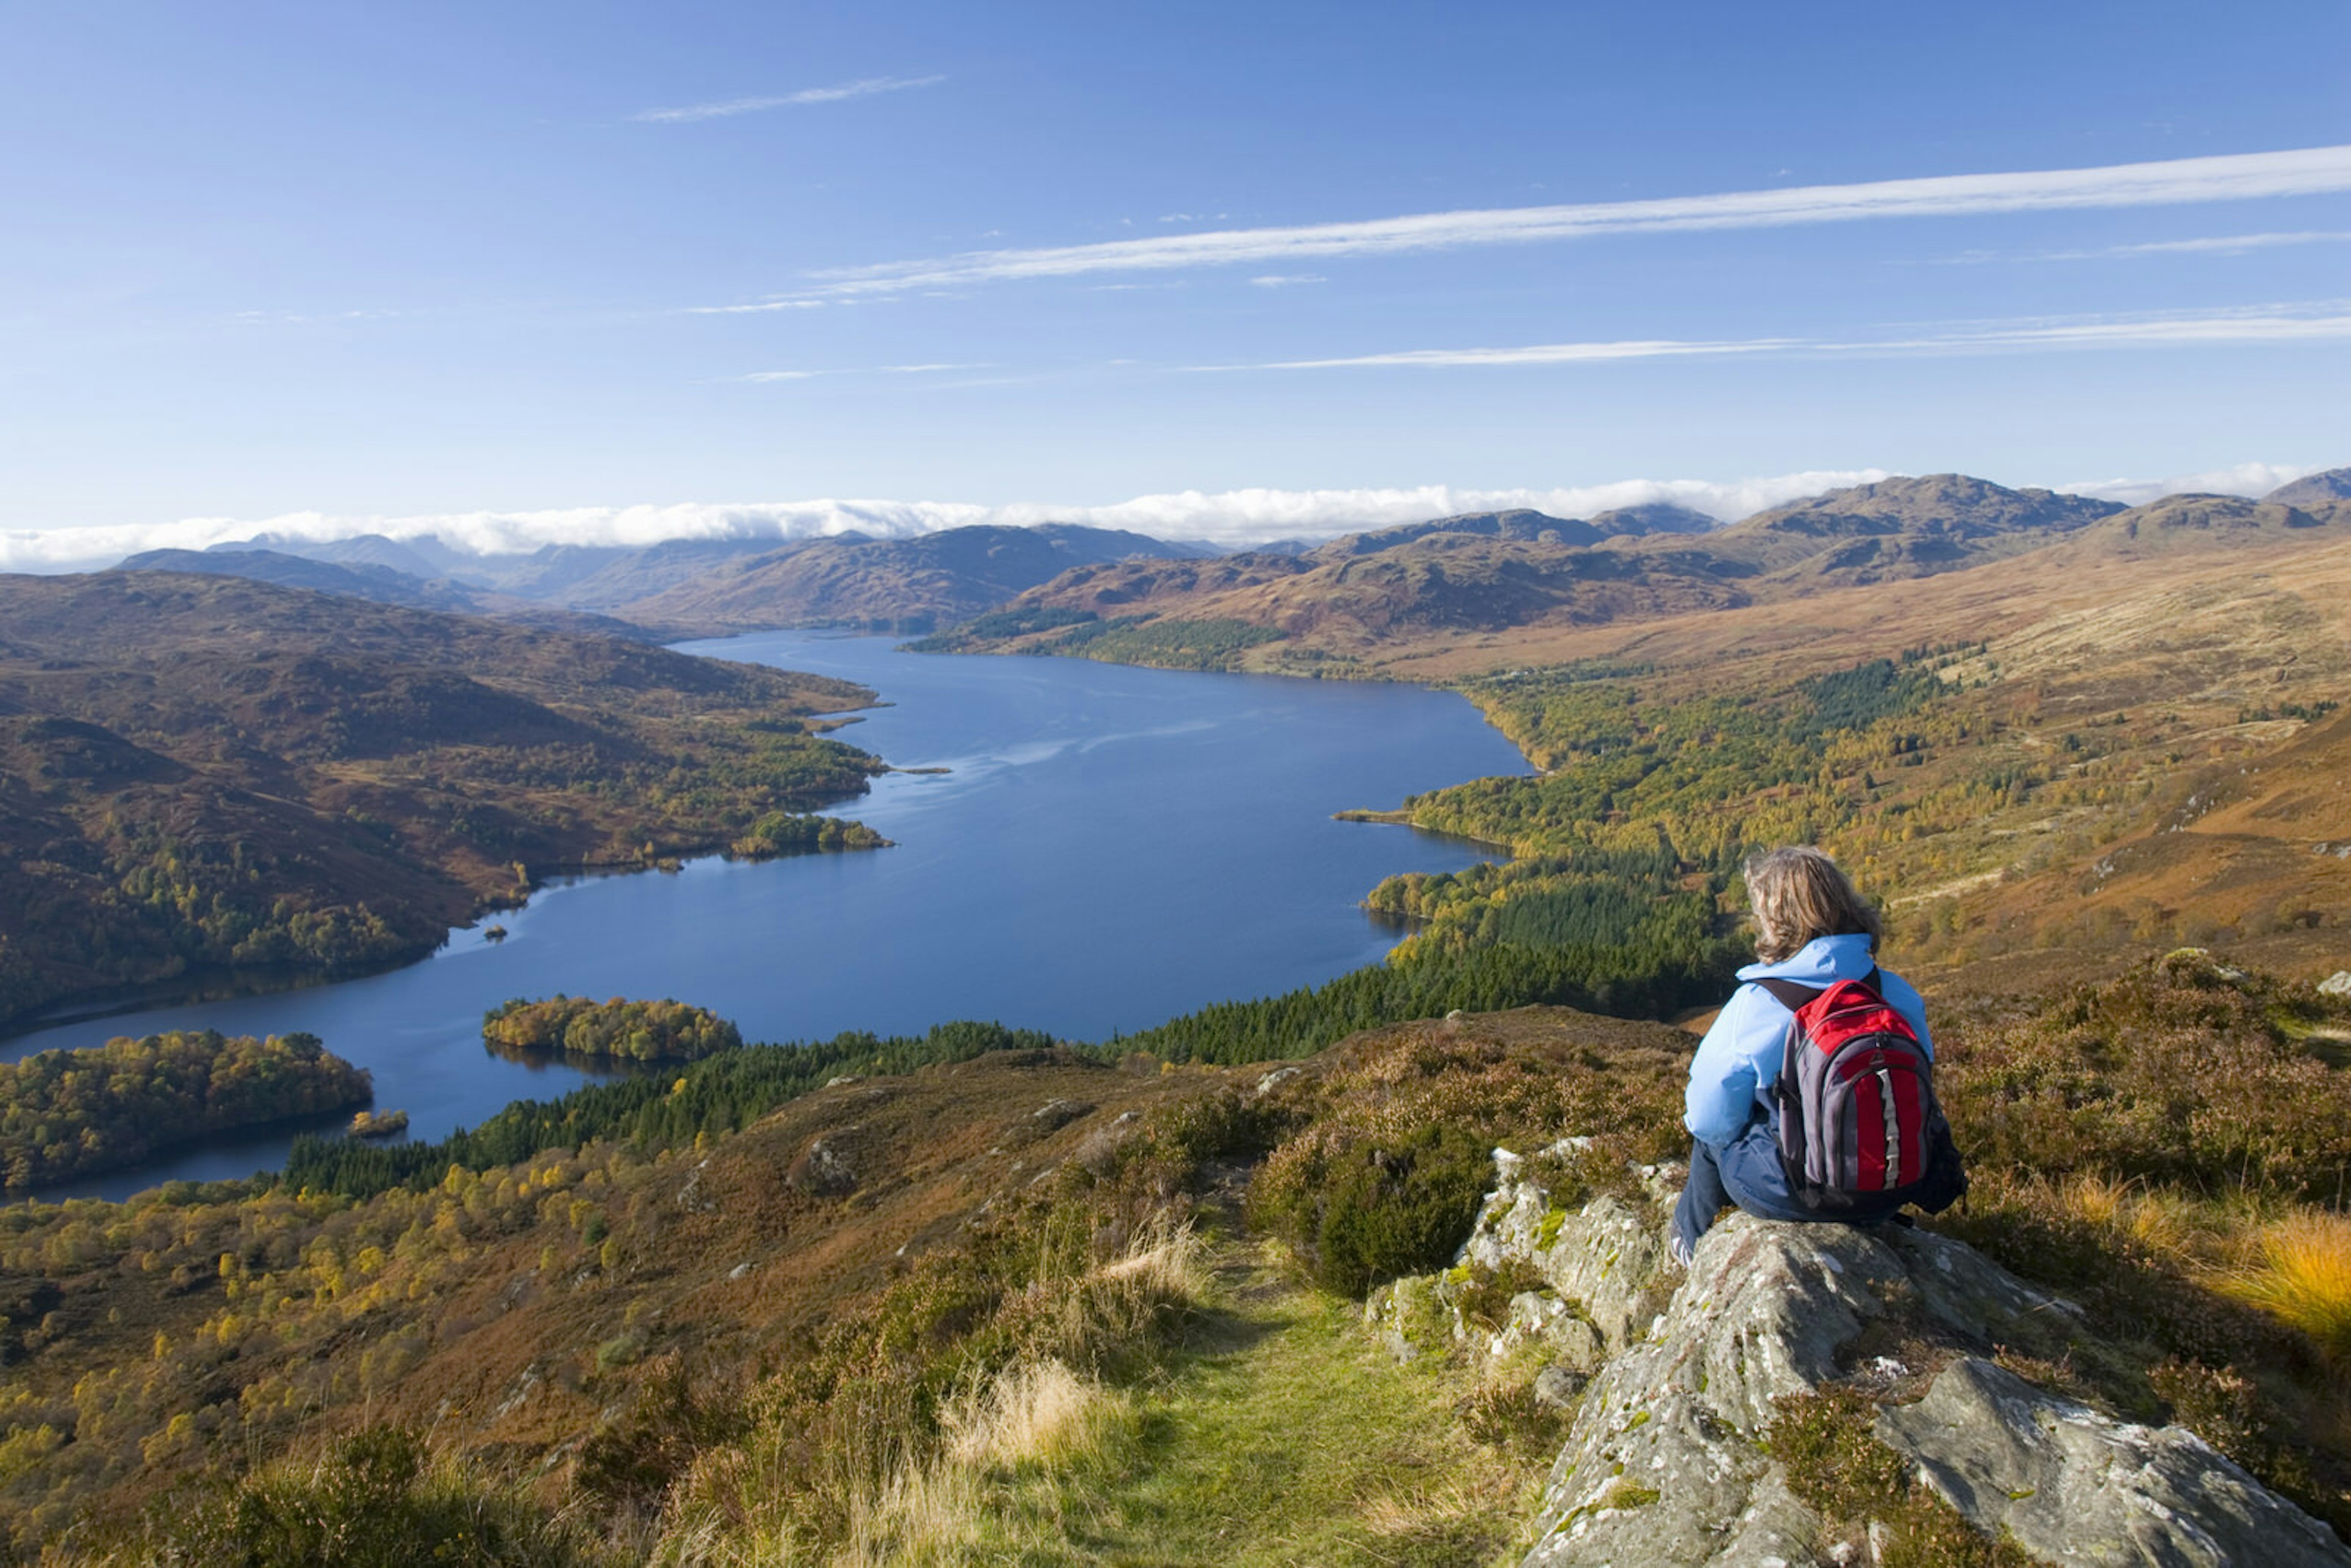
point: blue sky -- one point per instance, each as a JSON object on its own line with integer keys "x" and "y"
{"x": 355, "y": 262}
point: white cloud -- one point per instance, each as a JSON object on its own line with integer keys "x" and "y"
{"x": 2237, "y": 177}
{"x": 2242, "y": 479}
{"x": 755, "y": 307}
{"x": 1287, "y": 280}
{"x": 2317, "y": 323}
{"x": 864, "y": 89}
{"x": 1230, "y": 518}
{"x": 1536, "y": 354}
{"x": 2223, "y": 245}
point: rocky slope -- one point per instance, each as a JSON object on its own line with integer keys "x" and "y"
{"x": 1681, "y": 1385}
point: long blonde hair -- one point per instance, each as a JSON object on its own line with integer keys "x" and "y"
{"x": 1798, "y": 895}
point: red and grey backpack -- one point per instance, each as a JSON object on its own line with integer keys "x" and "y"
{"x": 1860, "y": 1129}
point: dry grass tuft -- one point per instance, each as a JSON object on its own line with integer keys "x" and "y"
{"x": 2303, "y": 1279}
{"x": 1032, "y": 1414}
{"x": 1420, "y": 1513}
{"x": 923, "y": 1515}
{"x": 1164, "y": 1260}
{"x": 1108, "y": 1314}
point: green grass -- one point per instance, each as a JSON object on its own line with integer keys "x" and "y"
{"x": 1284, "y": 1435}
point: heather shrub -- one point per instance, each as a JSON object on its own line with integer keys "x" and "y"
{"x": 2180, "y": 1070}
{"x": 375, "y": 1499}
{"x": 1394, "y": 1147}
{"x": 1838, "y": 1469}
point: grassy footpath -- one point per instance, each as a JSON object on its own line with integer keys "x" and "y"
{"x": 1286, "y": 1434}
{"x": 1280, "y": 1433}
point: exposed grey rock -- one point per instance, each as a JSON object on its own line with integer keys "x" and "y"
{"x": 2073, "y": 1484}
{"x": 1559, "y": 1387}
{"x": 2337, "y": 984}
{"x": 1605, "y": 1256}
{"x": 823, "y": 1167}
{"x": 1055, "y": 1114}
{"x": 1276, "y": 1078}
{"x": 1662, "y": 1465}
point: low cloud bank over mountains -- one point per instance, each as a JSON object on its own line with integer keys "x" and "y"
{"x": 1227, "y": 519}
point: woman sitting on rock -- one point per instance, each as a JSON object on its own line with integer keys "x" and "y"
{"x": 1812, "y": 930}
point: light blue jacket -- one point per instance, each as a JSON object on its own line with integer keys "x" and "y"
{"x": 1738, "y": 1060}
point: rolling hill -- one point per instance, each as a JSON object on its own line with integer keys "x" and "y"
{"x": 206, "y": 774}
{"x": 1385, "y": 601}
{"x": 909, "y": 585}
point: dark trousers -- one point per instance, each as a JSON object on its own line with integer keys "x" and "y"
{"x": 1747, "y": 1172}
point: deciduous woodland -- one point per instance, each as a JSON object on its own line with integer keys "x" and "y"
{"x": 636, "y": 1031}
{"x": 69, "y": 1113}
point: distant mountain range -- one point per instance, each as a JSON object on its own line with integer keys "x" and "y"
{"x": 359, "y": 577}
{"x": 1477, "y": 572}
{"x": 1377, "y": 594}
{"x": 686, "y": 587}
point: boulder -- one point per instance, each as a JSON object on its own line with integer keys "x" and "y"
{"x": 2073, "y": 1484}
{"x": 824, "y": 1169}
{"x": 1664, "y": 1464}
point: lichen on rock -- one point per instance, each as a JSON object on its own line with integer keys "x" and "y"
{"x": 1665, "y": 1464}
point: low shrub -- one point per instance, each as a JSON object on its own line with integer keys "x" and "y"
{"x": 1507, "y": 1415}
{"x": 1359, "y": 1208}
{"x": 1838, "y": 1469}
{"x": 376, "y": 1500}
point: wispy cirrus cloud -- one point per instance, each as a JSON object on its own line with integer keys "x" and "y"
{"x": 866, "y": 87}
{"x": 2210, "y": 244}
{"x": 2235, "y": 177}
{"x": 2201, "y": 245}
{"x": 2327, "y": 321}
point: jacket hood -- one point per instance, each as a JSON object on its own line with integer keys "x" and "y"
{"x": 1823, "y": 961}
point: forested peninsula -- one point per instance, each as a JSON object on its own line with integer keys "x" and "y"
{"x": 203, "y": 775}
{"x": 69, "y": 1113}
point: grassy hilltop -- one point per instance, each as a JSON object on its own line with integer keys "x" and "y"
{"x": 984, "y": 1295}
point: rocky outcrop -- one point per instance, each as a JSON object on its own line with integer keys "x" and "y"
{"x": 1664, "y": 1464}
{"x": 2072, "y": 1485}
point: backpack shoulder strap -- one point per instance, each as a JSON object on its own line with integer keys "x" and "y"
{"x": 1790, "y": 995}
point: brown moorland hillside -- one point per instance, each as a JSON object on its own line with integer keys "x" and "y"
{"x": 2131, "y": 743}
{"x": 1368, "y": 598}
{"x": 2318, "y": 494}
{"x": 207, "y": 774}
{"x": 754, "y": 1340}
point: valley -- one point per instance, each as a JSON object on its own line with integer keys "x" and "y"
{"x": 1027, "y": 1291}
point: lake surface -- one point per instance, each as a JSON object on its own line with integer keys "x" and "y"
{"x": 1110, "y": 847}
